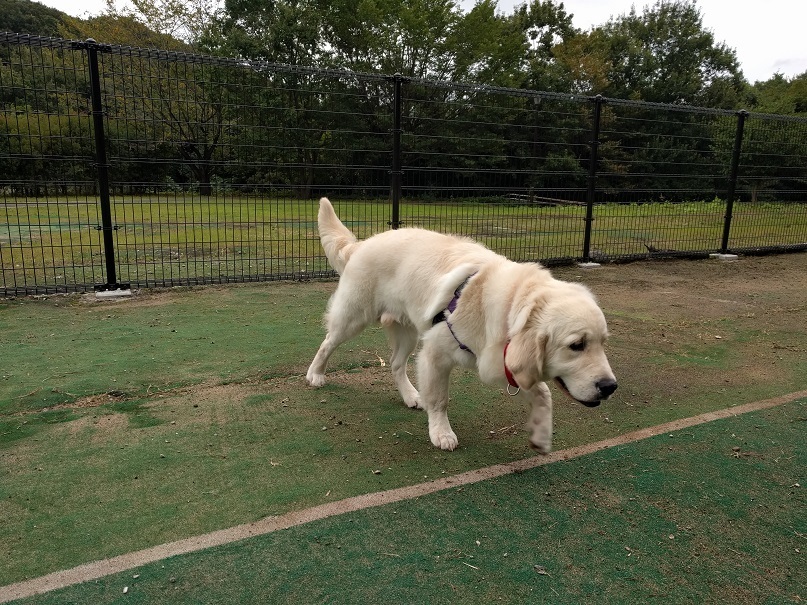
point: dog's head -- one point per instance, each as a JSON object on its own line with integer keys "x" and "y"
{"x": 558, "y": 332}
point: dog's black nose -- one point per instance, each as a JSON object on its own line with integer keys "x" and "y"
{"x": 606, "y": 386}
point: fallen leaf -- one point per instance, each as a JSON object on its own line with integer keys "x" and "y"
{"x": 540, "y": 570}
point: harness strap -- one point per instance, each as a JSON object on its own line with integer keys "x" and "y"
{"x": 452, "y": 306}
{"x": 459, "y": 342}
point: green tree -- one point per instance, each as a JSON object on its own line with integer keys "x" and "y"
{"x": 543, "y": 25}
{"x": 41, "y": 148}
{"x": 26, "y": 17}
{"x": 774, "y": 147}
{"x": 664, "y": 55}
{"x": 291, "y": 111}
{"x": 275, "y": 31}
{"x": 779, "y": 94}
{"x": 113, "y": 28}
{"x": 185, "y": 20}
{"x": 586, "y": 60}
{"x": 411, "y": 38}
{"x": 178, "y": 106}
{"x": 44, "y": 118}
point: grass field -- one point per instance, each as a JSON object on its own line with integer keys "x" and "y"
{"x": 175, "y": 239}
{"x": 661, "y": 520}
{"x": 129, "y": 424}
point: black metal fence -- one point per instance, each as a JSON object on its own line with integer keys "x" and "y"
{"x": 123, "y": 165}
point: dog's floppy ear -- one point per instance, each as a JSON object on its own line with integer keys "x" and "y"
{"x": 525, "y": 353}
{"x": 525, "y": 309}
{"x": 525, "y": 357}
{"x": 519, "y": 316}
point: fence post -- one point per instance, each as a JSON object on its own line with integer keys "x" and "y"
{"x": 599, "y": 100}
{"x": 102, "y": 166}
{"x": 395, "y": 185}
{"x": 732, "y": 188}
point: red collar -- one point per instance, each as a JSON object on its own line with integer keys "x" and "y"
{"x": 510, "y": 378}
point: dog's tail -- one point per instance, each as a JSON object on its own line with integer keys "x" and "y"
{"x": 337, "y": 240}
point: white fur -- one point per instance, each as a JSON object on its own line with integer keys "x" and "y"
{"x": 403, "y": 278}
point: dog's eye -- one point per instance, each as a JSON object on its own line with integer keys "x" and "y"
{"x": 580, "y": 345}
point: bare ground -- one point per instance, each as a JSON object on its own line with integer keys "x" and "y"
{"x": 680, "y": 309}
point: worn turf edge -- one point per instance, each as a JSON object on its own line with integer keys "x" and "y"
{"x": 267, "y": 525}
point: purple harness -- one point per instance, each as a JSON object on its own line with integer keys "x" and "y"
{"x": 452, "y": 305}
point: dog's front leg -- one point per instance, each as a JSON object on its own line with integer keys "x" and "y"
{"x": 540, "y": 424}
{"x": 434, "y": 369}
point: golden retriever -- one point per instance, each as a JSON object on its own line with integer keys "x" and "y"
{"x": 513, "y": 322}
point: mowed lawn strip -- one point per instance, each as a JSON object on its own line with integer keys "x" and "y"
{"x": 709, "y": 514}
{"x": 56, "y": 350}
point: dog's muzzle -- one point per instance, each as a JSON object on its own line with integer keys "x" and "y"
{"x": 605, "y": 388}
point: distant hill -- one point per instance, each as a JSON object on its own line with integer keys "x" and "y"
{"x": 26, "y": 17}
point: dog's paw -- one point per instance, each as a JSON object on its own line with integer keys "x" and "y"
{"x": 413, "y": 401}
{"x": 541, "y": 438}
{"x": 315, "y": 380}
{"x": 445, "y": 440}
{"x": 542, "y": 447}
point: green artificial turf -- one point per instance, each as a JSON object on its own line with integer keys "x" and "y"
{"x": 709, "y": 514}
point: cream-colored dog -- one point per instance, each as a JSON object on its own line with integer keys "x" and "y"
{"x": 513, "y": 322}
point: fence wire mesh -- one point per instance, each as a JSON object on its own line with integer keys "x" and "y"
{"x": 213, "y": 168}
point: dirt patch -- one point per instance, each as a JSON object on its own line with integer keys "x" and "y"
{"x": 104, "y": 427}
{"x": 93, "y": 401}
{"x": 740, "y": 319}
{"x": 157, "y": 297}
{"x": 702, "y": 290}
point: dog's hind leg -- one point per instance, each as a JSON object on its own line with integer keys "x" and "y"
{"x": 341, "y": 328}
{"x": 434, "y": 369}
{"x": 403, "y": 339}
{"x": 316, "y": 371}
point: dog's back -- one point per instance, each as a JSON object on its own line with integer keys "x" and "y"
{"x": 418, "y": 253}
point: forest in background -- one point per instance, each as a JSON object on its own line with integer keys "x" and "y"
{"x": 662, "y": 54}
{"x": 213, "y": 128}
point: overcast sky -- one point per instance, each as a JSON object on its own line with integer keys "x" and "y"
{"x": 768, "y": 36}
